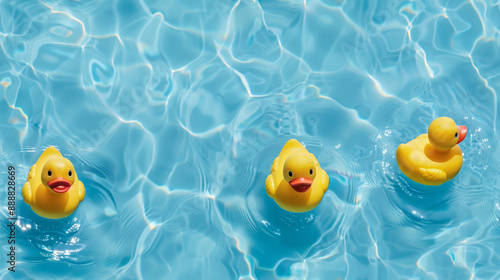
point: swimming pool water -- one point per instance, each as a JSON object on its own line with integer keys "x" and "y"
{"x": 173, "y": 111}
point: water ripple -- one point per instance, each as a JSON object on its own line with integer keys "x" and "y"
{"x": 173, "y": 112}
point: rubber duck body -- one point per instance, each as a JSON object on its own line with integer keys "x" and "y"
{"x": 297, "y": 182}
{"x": 433, "y": 158}
{"x": 53, "y": 190}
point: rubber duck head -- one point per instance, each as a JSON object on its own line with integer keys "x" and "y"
{"x": 299, "y": 171}
{"x": 444, "y": 133}
{"x": 58, "y": 175}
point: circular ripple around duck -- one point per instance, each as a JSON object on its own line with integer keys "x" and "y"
{"x": 414, "y": 219}
{"x": 77, "y": 240}
{"x": 273, "y": 234}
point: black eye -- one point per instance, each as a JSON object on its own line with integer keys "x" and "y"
{"x": 456, "y": 135}
{"x": 311, "y": 171}
{"x": 49, "y": 173}
{"x": 70, "y": 173}
{"x": 290, "y": 173}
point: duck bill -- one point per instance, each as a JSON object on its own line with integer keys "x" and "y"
{"x": 59, "y": 185}
{"x": 301, "y": 184}
{"x": 462, "y": 132}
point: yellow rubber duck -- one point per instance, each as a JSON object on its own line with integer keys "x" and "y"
{"x": 433, "y": 158}
{"x": 53, "y": 190}
{"x": 297, "y": 182}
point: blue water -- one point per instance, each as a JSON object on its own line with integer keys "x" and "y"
{"x": 173, "y": 111}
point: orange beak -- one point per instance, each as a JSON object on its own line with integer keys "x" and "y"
{"x": 462, "y": 132}
{"x": 59, "y": 185}
{"x": 301, "y": 184}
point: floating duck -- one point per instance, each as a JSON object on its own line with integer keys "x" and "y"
{"x": 297, "y": 182}
{"x": 433, "y": 158}
{"x": 53, "y": 190}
